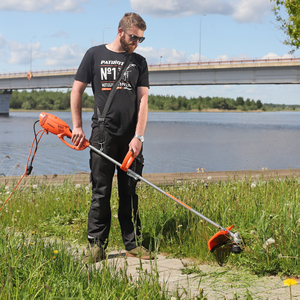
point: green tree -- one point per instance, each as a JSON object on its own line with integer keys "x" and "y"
{"x": 240, "y": 101}
{"x": 259, "y": 104}
{"x": 290, "y": 23}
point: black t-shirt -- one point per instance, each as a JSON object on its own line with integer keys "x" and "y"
{"x": 100, "y": 67}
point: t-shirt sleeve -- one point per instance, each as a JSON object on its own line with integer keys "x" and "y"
{"x": 85, "y": 70}
{"x": 144, "y": 76}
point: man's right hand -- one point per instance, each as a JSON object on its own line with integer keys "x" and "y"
{"x": 78, "y": 137}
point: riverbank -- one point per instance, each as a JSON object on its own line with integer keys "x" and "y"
{"x": 161, "y": 178}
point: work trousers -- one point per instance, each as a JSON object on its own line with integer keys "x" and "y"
{"x": 102, "y": 172}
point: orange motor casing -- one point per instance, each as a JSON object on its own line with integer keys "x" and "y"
{"x": 60, "y": 128}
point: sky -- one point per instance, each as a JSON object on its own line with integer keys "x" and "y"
{"x": 55, "y": 34}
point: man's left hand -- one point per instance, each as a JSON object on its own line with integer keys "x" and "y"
{"x": 135, "y": 145}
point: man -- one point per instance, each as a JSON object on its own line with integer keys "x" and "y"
{"x": 124, "y": 128}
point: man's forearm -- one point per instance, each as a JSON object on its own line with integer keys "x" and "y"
{"x": 76, "y": 109}
{"x": 142, "y": 113}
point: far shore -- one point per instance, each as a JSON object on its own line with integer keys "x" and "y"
{"x": 162, "y": 178}
{"x": 212, "y": 110}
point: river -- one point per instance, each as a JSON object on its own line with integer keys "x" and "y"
{"x": 174, "y": 142}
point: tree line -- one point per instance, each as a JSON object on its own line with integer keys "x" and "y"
{"x": 159, "y": 102}
{"x": 58, "y": 100}
{"x": 46, "y": 100}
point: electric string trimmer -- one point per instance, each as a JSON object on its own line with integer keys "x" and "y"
{"x": 58, "y": 127}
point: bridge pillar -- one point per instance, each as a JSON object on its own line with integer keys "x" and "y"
{"x": 4, "y": 102}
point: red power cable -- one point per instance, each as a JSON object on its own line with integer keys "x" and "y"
{"x": 26, "y": 169}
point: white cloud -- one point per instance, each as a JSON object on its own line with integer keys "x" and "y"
{"x": 46, "y": 6}
{"x": 273, "y": 55}
{"x": 251, "y": 11}
{"x": 2, "y": 41}
{"x": 163, "y": 55}
{"x": 243, "y": 11}
{"x": 65, "y": 56}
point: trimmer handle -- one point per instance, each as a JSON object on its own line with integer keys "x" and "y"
{"x": 69, "y": 135}
{"x": 60, "y": 128}
{"x": 128, "y": 160}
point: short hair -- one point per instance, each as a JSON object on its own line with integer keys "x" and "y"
{"x": 132, "y": 19}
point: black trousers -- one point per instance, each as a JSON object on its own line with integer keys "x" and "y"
{"x": 102, "y": 172}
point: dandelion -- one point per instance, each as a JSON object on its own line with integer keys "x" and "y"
{"x": 55, "y": 251}
{"x": 208, "y": 177}
{"x": 54, "y": 257}
{"x": 289, "y": 282}
{"x": 253, "y": 185}
{"x": 77, "y": 186}
{"x": 268, "y": 242}
{"x": 34, "y": 186}
{"x": 32, "y": 232}
{"x": 31, "y": 243}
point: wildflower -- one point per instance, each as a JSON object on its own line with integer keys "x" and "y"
{"x": 253, "y": 185}
{"x": 55, "y": 251}
{"x": 31, "y": 243}
{"x": 208, "y": 177}
{"x": 34, "y": 186}
{"x": 32, "y": 232}
{"x": 268, "y": 242}
{"x": 18, "y": 211}
{"x": 290, "y": 282}
{"x": 77, "y": 186}
{"x": 54, "y": 257}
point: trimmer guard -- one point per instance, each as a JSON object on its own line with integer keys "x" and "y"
{"x": 219, "y": 239}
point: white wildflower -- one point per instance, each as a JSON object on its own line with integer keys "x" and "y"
{"x": 208, "y": 177}
{"x": 77, "y": 186}
{"x": 268, "y": 242}
{"x": 253, "y": 185}
{"x": 34, "y": 186}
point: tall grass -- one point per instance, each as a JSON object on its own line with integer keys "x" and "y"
{"x": 266, "y": 213}
{"x": 33, "y": 269}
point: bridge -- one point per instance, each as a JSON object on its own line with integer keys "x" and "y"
{"x": 223, "y": 72}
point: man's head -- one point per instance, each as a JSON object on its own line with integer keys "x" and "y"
{"x": 131, "y": 30}
{"x": 132, "y": 19}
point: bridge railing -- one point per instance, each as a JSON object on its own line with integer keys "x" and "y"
{"x": 174, "y": 64}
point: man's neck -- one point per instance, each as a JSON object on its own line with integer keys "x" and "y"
{"x": 115, "y": 46}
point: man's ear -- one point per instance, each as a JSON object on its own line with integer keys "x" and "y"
{"x": 120, "y": 30}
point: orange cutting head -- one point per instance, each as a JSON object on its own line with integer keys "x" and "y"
{"x": 219, "y": 239}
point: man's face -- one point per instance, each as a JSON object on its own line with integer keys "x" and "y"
{"x": 127, "y": 41}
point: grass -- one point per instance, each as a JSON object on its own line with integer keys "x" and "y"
{"x": 33, "y": 269}
{"x": 265, "y": 213}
